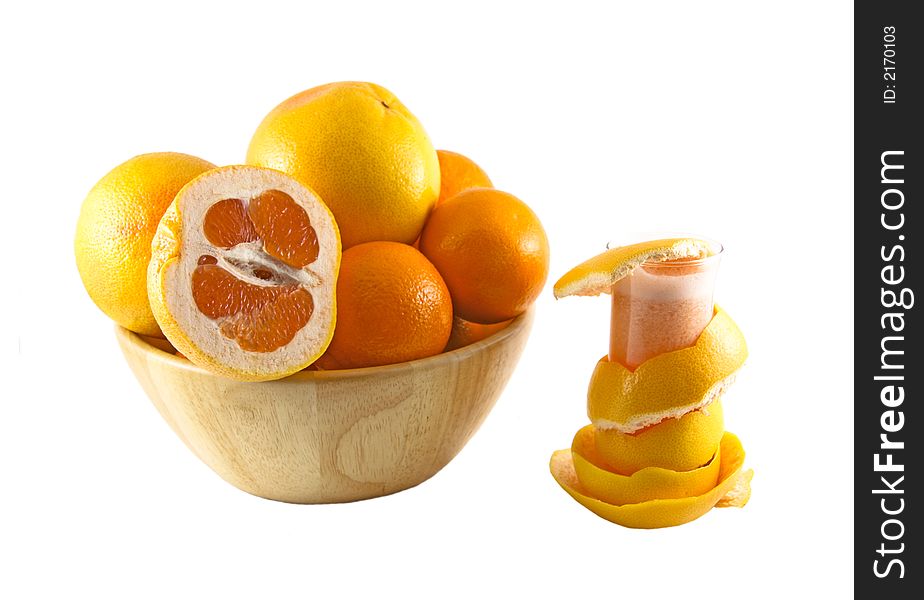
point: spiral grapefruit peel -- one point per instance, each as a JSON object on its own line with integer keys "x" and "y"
{"x": 243, "y": 273}
{"x": 649, "y": 483}
{"x": 598, "y": 275}
{"x": 656, "y": 453}
{"x": 669, "y": 385}
{"x": 678, "y": 443}
{"x": 732, "y": 489}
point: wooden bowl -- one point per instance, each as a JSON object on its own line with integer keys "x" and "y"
{"x": 330, "y": 436}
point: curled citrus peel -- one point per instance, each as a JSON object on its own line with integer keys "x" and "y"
{"x": 669, "y": 385}
{"x": 648, "y": 459}
{"x": 732, "y": 489}
{"x": 680, "y": 444}
{"x": 597, "y": 275}
{"x": 649, "y": 483}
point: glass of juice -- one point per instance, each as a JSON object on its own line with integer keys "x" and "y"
{"x": 661, "y": 307}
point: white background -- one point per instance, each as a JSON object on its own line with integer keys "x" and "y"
{"x": 732, "y": 120}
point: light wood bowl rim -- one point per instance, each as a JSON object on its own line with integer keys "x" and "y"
{"x": 520, "y": 322}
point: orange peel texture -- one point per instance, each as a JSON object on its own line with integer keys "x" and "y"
{"x": 681, "y": 444}
{"x": 597, "y": 275}
{"x": 649, "y": 483}
{"x": 670, "y": 384}
{"x": 732, "y": 489}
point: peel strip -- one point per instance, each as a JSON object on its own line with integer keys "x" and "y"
{"x": 645, "y": 484}
{"x": 669, "y": 385}
{"x": 598, "y": 275}
{"x": 670, "y": 512}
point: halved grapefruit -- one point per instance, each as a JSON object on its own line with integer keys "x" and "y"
{"x": 243, "y": 273}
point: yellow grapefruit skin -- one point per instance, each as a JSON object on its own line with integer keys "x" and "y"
{"x": 117, "y": 222}
{"x": 679, "y": 444}
{"x": 362, "y": 151}
{"x": 649, "y": 483}
{"x": 732, "y": 489}
{"x": 597, "y": 275}
{"x": 670, "y": 384}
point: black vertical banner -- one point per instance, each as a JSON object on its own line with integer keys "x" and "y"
{"x": 888, "y": 265}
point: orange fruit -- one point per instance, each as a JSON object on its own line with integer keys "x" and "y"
{"x": 465, "y": 332}
{"x": 114, "y": 231}
{"x": 491, "y": 250}
{"x": 243, "y": 273}
{"x": 362, "y": 150}
{"x": 392, "y": 306}
{"x": 457, "y": 173}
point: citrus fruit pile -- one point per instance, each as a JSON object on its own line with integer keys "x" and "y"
{"x": 345, "y": 241}
{"x": 656, "y": 453}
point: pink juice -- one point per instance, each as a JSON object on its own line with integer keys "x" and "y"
{"x": 661, "y": 307}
